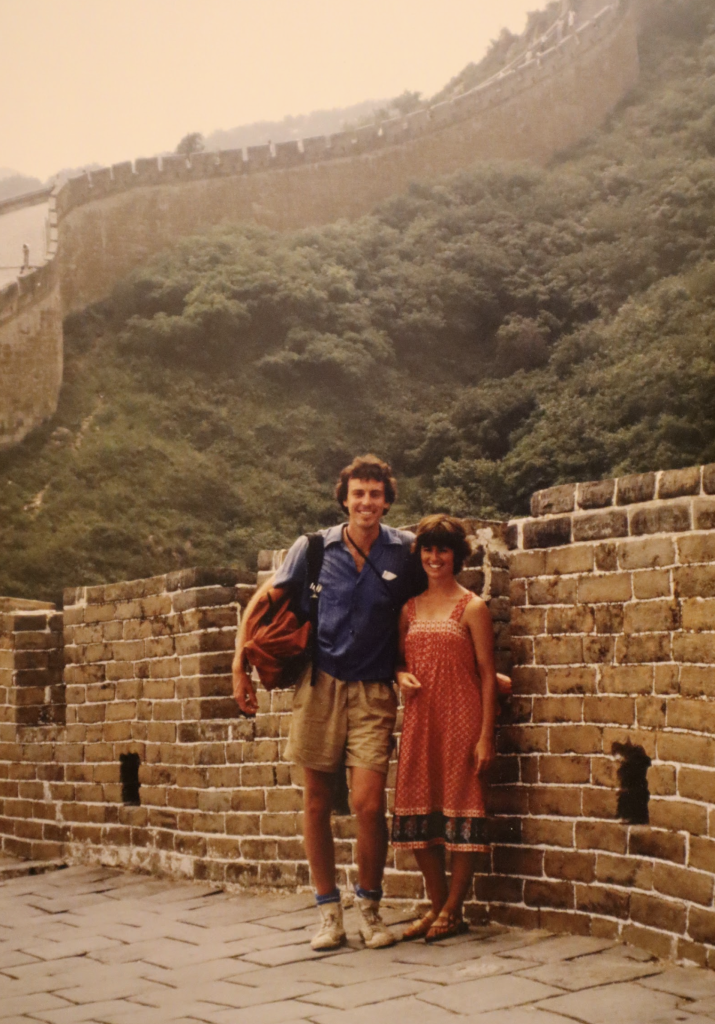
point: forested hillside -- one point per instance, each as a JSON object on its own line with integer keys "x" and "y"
{"x": 503, "y": 330}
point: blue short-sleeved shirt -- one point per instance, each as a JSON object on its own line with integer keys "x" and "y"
{"x": 357, "y": 611}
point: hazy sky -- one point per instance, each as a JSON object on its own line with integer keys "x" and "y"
{"x": 101, "y": 81}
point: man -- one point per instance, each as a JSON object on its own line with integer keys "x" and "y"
{"x": 346, "y": 714}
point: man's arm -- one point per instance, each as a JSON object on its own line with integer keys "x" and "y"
{"x": 243, "y": 689}
{"x": 291, "y": 572}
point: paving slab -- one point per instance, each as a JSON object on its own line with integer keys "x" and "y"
{"x": 102, "y": 946}
{"x": 590, "y": 971}
{"x": 628, "y": 1003}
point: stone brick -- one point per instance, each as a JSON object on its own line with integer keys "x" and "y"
{"x": 596, "y": 899}
{"x": 697, "y": 681}
{"x": 647, "y": 585}
{"x": 553, "y": 500}
{"x": 698, "y": 614}
{"x": 527, "y": 563}
{"x": 679, "y": 816}
{"x": 665, "y": 678}
{"x": 572, "y": 559}
{"x": 656, "y": 942}
{"x": 616, "y": 710}
{"x": 513, "y": 860}
{"x": 575, "y": 739}
{"x": 686, "y": 749}
{"x": 602, "y": 835}
{"x": 528, "y": 621}
{"x": 644, "y": 841}
{"x": 694, "y": 715}
{"x": 558, "y": 709}
{"x": 606, "y": 589}
{"x": 650, "y": 553}
{"x": 658, "y": 913}
{"x": 545, "y": 893}
{"x": 598, "y": 650}
{"x": 704, "y": 514}
{"x": 662, "y": 780}
{"x": 650, "y": 712}
{"x": 595, "y": 494}
{"x": 701, "y": 925}
{"x": 697, "y": 648}
{"x": 552, "y": 590}
{"x": 699, "y": 547}
{"x": 683, "y": 883}
{"x": 522, "y": 739}
{"x": 626, "y": 679}
{"x": 608, "y": 618}
{"x": 574, "y": 679}
{"x": 600, "y": 803}
{"x": 569, "y": 619}
{"x": 564, "y": 770}
{"x": 600, "y": 525}
{"x": 547, "y": 533}
{"x": 570, "y": 865}
{"x": 670, "y": 518}
{"x": 605, "y": 557}
{"x": 517, "y": 592}
{"x": 695, "y": 581}
{"x": 528, "y": 679}
{"x": 492, "y": 888}
{"x": 651, "y": 617}
{"x": 548, "y": 831}
{"x": 635, "y": 488}
{"x": 558, "y": 650}
{"x": 674, "y": 483}
{"x": 630, "y": 872}
{"x": 643, "y": 647}
{"x": 522, "y": 650}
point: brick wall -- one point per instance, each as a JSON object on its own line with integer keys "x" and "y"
{"x": 147, "y": 684}
{"x": 613, "y": 626}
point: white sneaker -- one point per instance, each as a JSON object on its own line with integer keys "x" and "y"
{"x": 331, "y": 933}
{"x": 374, "y": 931}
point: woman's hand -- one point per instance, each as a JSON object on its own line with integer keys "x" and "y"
{"x": 484, "y": 754}
{"x": 409, "y": 684}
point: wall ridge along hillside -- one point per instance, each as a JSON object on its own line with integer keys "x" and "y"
{"x": 112, "y": 220}
{"x": 120, "y": 742}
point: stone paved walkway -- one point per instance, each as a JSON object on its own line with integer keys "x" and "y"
{"x": 98, "y": 945}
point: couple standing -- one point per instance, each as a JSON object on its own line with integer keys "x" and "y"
{"x": 372, "y": 629}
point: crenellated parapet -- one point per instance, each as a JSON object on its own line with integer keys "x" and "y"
{"x": 508, "y": 84}
{"x": 107, "y": 222}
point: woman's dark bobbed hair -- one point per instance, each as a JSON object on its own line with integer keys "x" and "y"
{"x": 443, "y": 531}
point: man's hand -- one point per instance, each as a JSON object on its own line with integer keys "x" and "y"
{"x": 244, "y": 692}
{"x": 408, "y": 684}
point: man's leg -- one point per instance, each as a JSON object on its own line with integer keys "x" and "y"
{"x": 367, "y": 796}
{"x": 318, "y": 792}
{"x": 367, "y": 792}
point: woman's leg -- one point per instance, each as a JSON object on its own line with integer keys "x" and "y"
{"x": 463, "y": 865}
{"x": 431, "y": 864}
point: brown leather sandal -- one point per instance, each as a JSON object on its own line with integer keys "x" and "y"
{"x": 419, "y": 929}
{"x": 446, "y": 926}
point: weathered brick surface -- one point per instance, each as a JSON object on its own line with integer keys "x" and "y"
{"x": 622, "y": 622}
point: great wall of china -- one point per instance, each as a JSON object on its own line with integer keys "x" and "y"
{"x": 120, "y": 742}
{"x": 105, "y": 224}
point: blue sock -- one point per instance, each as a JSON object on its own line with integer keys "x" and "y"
{"x": 331, "y": 897}
{"x": 368, "y": 894}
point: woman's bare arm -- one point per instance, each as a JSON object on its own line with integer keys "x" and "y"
{"x": 481, "y": 628}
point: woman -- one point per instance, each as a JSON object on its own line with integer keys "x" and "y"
{"x": 448, "y": 683}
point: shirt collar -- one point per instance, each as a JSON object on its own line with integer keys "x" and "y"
{"x": 334, "y": 535}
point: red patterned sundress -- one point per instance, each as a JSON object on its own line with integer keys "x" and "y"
{"x": 439, "y": 798}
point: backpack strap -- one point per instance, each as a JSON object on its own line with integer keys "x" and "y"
{"x": 316, "y": 550}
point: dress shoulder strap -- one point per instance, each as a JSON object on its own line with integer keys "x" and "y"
{"x": 458, "y": 610}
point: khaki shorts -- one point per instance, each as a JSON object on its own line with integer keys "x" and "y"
{"x": 337, "y": 723}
